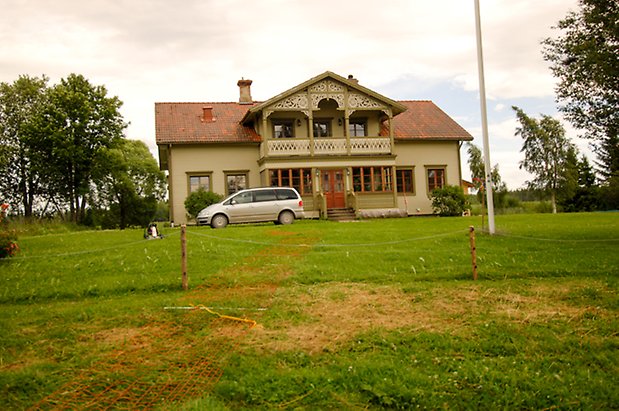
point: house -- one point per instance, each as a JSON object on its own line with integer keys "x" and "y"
{"x": 341, "y": 145}
{"x": 467, "y": 187}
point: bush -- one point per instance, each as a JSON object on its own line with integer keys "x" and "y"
{"x": 449, "y": 201}
{"x": 8, "y": 238}
{"x": 199, "y": 199}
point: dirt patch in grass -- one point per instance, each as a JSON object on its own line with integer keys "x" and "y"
{"x": 334, "y": 313}
{"x": 328, "y": 315}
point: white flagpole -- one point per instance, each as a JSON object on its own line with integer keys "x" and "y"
{"x": 484, "y": 121}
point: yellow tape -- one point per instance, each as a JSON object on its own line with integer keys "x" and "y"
{"x": 227, "y": 317}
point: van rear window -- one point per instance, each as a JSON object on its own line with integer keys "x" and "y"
{"x": 286, "y": 194}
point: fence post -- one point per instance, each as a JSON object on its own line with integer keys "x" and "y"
{"x": 184, "y": 256}
{"x": 473, "y": 251}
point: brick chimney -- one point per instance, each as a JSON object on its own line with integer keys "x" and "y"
{"x": 244, "y": 91}
{"x": 207, "y": 114}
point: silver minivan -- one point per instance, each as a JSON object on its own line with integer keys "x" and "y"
{"x": 281, "y": 205}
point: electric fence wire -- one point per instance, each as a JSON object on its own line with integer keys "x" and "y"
{"x": 83, "y": 252}
{"x": 374, "y": 244}
{"x": 325, "y": 246}
{"x": 557, "y": 240}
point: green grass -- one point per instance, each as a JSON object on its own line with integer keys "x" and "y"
{"x": 375, "y": 314}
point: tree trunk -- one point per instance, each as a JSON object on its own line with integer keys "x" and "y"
{"x": 553, "y": 200}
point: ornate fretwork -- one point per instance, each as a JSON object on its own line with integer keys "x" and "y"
{"x": 316, "y": 98}
{"x": 326, "y": 86}
{"x": 294, "y": 102}
{"x": 358, "y": 101}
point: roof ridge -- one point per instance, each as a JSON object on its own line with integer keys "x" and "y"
{"x": 208, "y": 102}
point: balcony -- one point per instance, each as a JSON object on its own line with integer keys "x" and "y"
{"x": 285, "y": 147}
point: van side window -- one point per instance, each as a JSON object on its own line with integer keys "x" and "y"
{"x": 242, "y": 198}
{"x": 265, "y": 195}
{"x": 286, "y": 194}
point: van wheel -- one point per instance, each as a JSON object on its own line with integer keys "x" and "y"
{"x": 285, "y": 217}
{"x": 219, "y": 221}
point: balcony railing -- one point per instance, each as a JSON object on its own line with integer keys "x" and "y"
{"x": 328, "y": 146}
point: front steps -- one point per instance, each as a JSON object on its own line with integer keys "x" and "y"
{"x": 341, "y": 214}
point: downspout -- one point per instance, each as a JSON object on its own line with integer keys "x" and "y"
{"x": 170, "y": 185}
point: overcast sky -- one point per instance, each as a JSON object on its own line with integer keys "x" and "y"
{"x": 147, "y": 51}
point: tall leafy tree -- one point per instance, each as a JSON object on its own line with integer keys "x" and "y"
{"x": 584, "y": 58}
{"x": 78, "y": 121}
{"x": 128, "y": 183}
{"x": 545, "y": 149}
{"x": 477, "y": 167}
{"x": 20, "y": 105}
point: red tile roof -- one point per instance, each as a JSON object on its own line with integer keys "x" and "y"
{"x": 424, "y": 120}
{"x": 182, "y": 123}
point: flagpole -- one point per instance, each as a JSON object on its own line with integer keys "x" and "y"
{"x": 484, "y": 121}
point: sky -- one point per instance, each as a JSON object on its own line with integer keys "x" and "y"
{"x": 147, "y": 51}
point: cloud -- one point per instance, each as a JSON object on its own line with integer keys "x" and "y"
{"x": 196, "y": 50}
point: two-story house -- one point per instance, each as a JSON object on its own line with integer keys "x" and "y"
{"x": 341, "y": 145}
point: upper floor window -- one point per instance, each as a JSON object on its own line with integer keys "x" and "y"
{"x": 357, "y": 128}
{"x": 322, "y": 128}
{"x": 436, "y": 178}
{"x": 283, "y": 128}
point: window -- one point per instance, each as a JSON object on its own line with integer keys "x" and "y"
{"x": 372, "y": 179}
{"x": 322, "y": 128}
{"x": 264, "y": 195}
{"x": 199, "y": 181}
{"x": 357, "y": 128}
{"x": 242, "y": 198}
{"x": 286, "y": 194}
{"x": 436, "y": 178}
{"x": 298, "y": 178}
{"x": 235, "y": 182}
{"x": 283, "y": 129}
{"x": 405, "y": 180}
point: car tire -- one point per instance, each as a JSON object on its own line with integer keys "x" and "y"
{"x": 285, "y": 217}
{"x": 219, "y": 221}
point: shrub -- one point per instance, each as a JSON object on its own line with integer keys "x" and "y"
{"x": 199, "y": 199}
{"x": 449, "y": 201}
{"x": 8, "y": 238}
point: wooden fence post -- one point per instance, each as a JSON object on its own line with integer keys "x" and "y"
{"x": 184, "y": 256}
{"x": 473, "y": 251}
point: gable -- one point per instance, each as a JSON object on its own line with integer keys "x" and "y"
{"x": 305, "y": 97}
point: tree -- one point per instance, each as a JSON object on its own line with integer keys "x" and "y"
{"x": 585, "y": 60}
{"x": 545, "y": 148}
{"x": 128, "y": 184}
{"x": 477, "y": 167}
{"x": 20, "y": 104}
{"x": 78, "y": 121}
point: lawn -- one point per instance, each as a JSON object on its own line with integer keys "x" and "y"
{"x": 317, "y": 315}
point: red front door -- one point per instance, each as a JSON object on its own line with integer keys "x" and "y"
{"x": 333, "y": 188}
